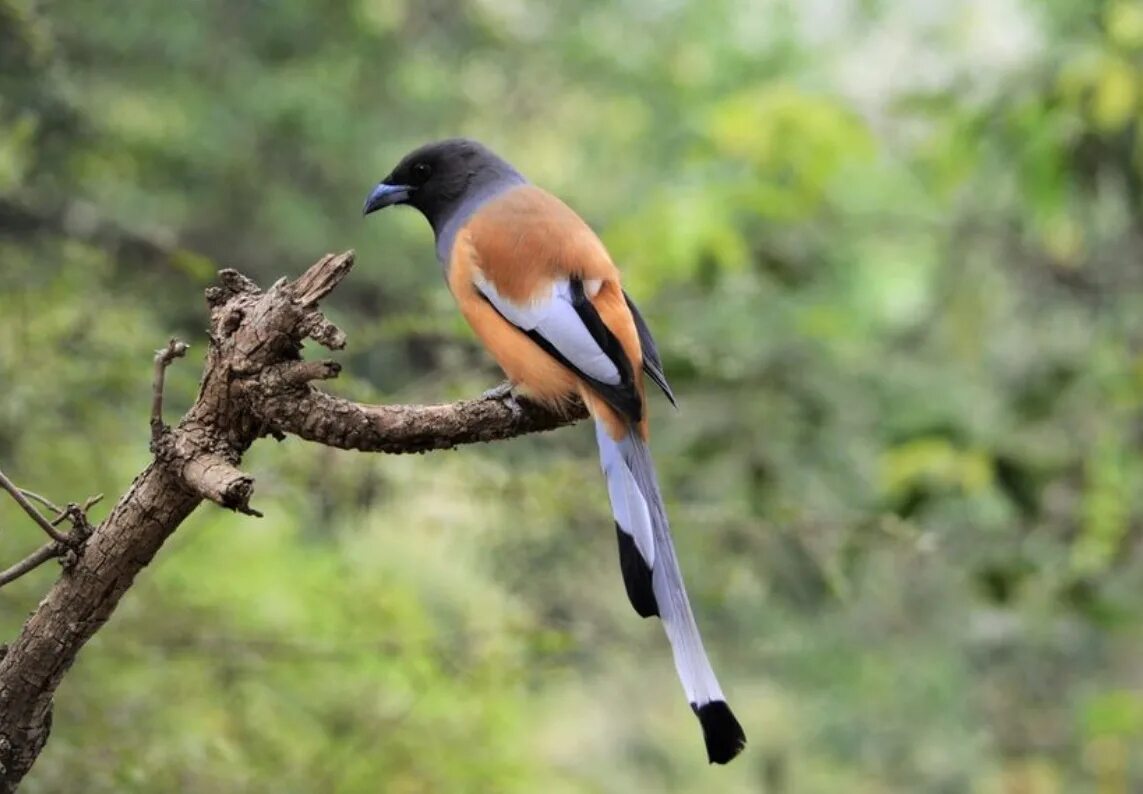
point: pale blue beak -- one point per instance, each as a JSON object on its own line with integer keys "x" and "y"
{"x": 386, "y": 195}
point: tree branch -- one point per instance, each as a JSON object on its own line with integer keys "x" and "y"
{"x": 317, "y": 416}
{"x": 254, "y": 384}
{"x": 216, "y": 480}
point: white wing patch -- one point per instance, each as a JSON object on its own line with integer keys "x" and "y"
{"x": 553, "y": 316}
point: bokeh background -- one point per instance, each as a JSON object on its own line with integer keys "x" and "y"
{"x": 893, "y": 254}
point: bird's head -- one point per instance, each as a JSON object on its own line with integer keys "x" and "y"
{"x": 438, "y": 177}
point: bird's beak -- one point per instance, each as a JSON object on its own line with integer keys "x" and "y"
{"x": 386, "y": 195}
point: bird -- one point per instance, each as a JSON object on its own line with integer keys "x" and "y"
{"x": 543, "y": 296}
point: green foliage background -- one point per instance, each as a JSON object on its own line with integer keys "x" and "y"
{"x": 893, "y": 254}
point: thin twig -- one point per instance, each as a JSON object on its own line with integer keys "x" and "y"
{"x": 30, "y": 509}
{"x": 77, "y": 514}
{"x": 163, "y": 358}
{"x": 35, "y": 497}
{"x": 32, "y": 561}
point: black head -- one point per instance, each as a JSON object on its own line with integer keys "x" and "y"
{"x": 438, "y": 177}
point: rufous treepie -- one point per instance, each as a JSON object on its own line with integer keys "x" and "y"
{"x": 543, "y": 296}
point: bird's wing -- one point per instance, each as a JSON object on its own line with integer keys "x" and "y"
{"x": 567, "y": 326}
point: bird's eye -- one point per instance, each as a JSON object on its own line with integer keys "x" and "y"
{"x": 422, "y": 171}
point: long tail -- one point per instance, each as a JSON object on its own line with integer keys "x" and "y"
{"x": 655, "y": 584}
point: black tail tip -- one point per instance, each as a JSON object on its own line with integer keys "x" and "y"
{"x": 724, "y": 736}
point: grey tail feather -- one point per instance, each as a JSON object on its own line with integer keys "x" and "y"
{"x": 723, "y": 734}
{"x": 632, "y": 525}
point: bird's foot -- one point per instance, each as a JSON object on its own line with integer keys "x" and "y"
{"x": 499, "y": 392}
{"x": 505, "y": 393}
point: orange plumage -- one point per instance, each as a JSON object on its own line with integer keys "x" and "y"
{"x": 521, "y": 242}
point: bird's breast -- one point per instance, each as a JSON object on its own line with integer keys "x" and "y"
{"x": 449, "y": 226}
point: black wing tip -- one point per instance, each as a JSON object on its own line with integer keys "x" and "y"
{"x": 652, "y": 363}
{"x": 660, "y": 380}
{"x": 636, "y": 576}
{"x": 723, "y": 735}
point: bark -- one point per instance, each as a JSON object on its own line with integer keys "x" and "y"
{"x": 254, "y": 384}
